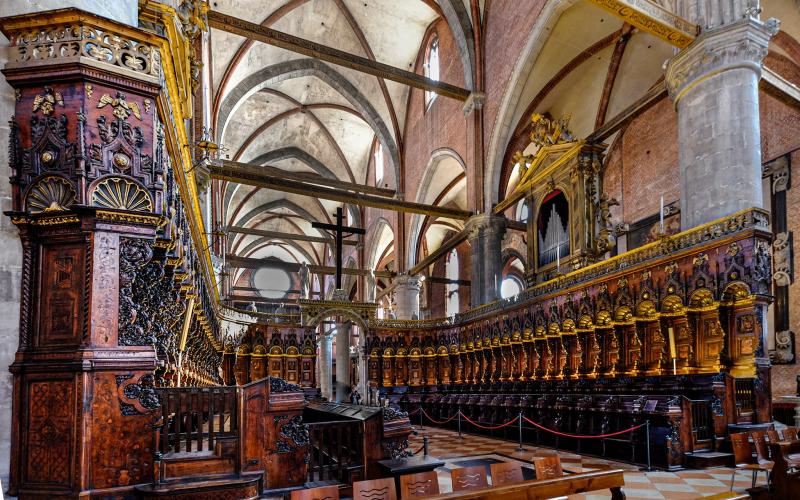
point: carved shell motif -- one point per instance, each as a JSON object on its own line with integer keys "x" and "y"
{"x": 49, "y": 195}
{"x": 121, "y": 194}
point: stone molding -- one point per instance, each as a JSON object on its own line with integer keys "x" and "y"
{"x": 474, "y": 101}
{"x": 743, "y": 44}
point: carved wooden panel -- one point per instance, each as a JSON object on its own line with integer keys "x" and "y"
{"x": 307, "y": 372}
{"x": 122, "y": 434}
{"x": 276, "y": 366}
{"x": 49, "y": 431}
{"x": 292, "y": 369}
{"x": 61, "y": 304}
{"x": 415, "y": 370}
{"x": 388, "y": 371}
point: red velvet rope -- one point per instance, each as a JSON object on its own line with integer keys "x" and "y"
{"x": 419, "y": 450}
{"x": 581, "y": 436}
{"x": 436, "y": 421}
{"x": 490, "y": 427}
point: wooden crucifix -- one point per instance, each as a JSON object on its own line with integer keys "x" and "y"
{"x": 339, "y": 230}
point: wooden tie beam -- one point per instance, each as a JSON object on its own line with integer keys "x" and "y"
{"x": 286, "y": 236}
{"x": 322, "y": 52}
{"x": 308, "y": 177}
{"x": 251, "y": 177}
{"x": 293, "y": 267}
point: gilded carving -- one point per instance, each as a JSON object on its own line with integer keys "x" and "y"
{"x": 122, "y": 108}
{"x": 121, "y": 194}
{"x": 50, "y": 194}
{"x": 47, "y": 102}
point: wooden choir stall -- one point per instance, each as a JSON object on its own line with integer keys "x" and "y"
{"x": 672, "y": 333}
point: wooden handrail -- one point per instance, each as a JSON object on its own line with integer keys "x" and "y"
{"x": 548, "y": 488}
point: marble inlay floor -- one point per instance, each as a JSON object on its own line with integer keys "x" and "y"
{"x": 473, "y": 450}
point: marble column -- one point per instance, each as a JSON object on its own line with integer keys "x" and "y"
{"x": 325, "y": 363}
{"x": 342, "y": 362}
{"x": 406, "y": 295}
{"x": 485, "y": 238}
{"x": 714, "y": 84}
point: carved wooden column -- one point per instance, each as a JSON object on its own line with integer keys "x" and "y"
{"x": 387, "y": 366}
{"x": 258, "y": 362}
{"x": 87, "y": 160}
{"x": 400, "y": 367}
{"x": 241, "y": 368}
{"x": 443, "y": 362}
{"x": 228, "y": 360}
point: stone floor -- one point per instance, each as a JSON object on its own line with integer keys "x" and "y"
{"x": 472, "y": 450}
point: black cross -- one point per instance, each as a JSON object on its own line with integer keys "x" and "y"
{"x": 339, "y": 230}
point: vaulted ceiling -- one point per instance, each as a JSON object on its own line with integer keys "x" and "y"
{"x": 274, "y": 107}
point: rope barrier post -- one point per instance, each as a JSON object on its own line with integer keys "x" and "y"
{"x": 459, "y": 423}
{"x": 425, "y": 446}
{"x": 647, "y": 441}
{"x": 421, "y": 414}
{"x": 520, "y": 448}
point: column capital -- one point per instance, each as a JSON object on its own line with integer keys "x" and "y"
{"x": 742, "y": 44}
{"x": 407, "y": 281}
{"x": 474, "y": 101}
{"x": 481, "y": 223}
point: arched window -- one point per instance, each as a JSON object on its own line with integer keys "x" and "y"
{"x": 522, "y": 211}
{"x": 432, "y": 66}
{"x": 451, "y": 289}
{"x": 379, "y": 165}
{"x": 510, "y": 287}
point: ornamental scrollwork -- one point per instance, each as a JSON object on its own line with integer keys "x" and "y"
{"x": 277, "y": 385}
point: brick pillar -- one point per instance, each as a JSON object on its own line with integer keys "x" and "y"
{"x": 714, "y": 84}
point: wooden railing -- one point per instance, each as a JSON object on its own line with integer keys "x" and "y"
{"x": 196, "y": 418}
{"x": 336, "y": 451}
{"x": 745, "y": 395}
{"x": 702, "y": 422}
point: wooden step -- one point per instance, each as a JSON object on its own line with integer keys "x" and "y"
{"x": 707, "y": 459}
{"x": 178, "y": 466}
{"x": 231, "y": 488}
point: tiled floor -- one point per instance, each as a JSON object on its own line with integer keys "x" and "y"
{"x": 688, "y": 484}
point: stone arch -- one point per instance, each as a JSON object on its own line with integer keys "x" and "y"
{"x": 296, "y": 68}
{"x": 314, "y": 320}
{"x": 378, "y": 226}
{"x": 504, "y": 123}
{"x": 417, "y": 220}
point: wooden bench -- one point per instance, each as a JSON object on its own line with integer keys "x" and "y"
{"x": 548, "y": 488}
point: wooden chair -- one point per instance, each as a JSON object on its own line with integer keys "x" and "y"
{"x": 375, "y": 489}
{"x": 321, "y": 493}
{"x": 469, "y": 478}
{"x": 743, "y": 458}
{"x": 790, "y": 434}
{"x": 421, "y": 484}
{"x": 506, "y": 473}
{"x": 785, "y": 483}
{"x": 547, "y": 467}
{"x": 773, "y": 436}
